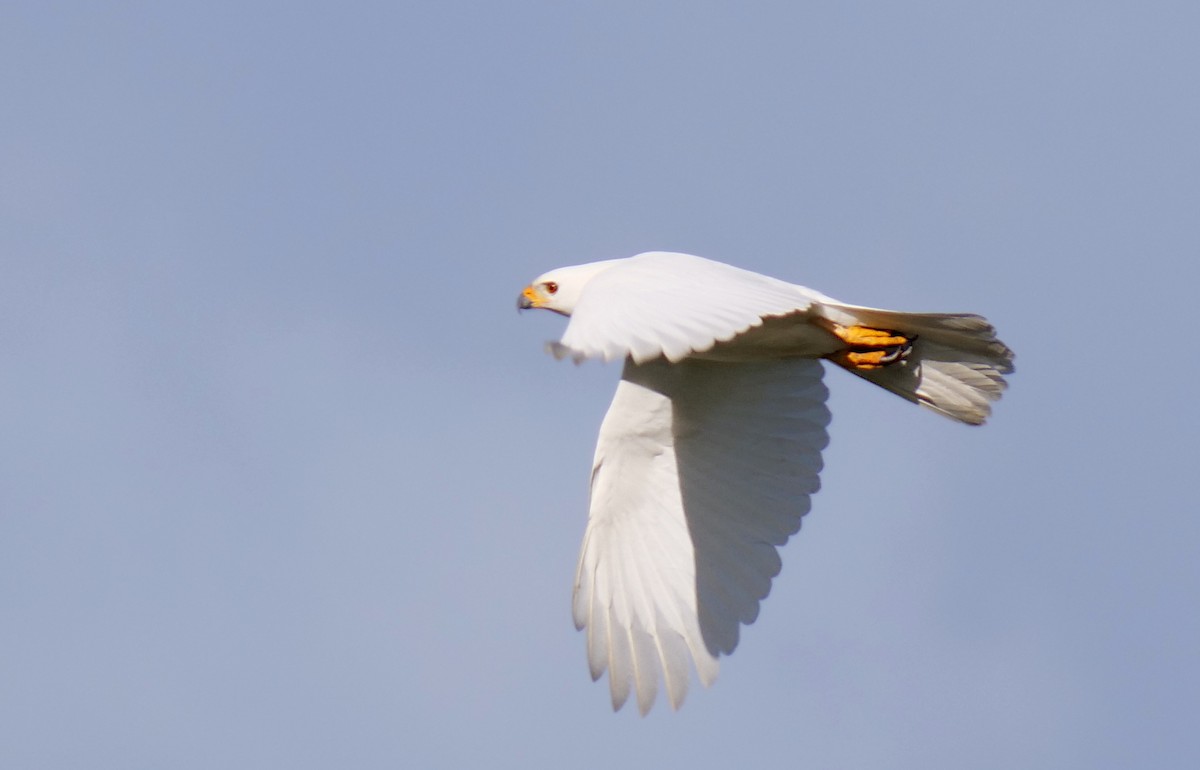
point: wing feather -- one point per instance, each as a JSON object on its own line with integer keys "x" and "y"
{"x": 672, "y": 305}
{"x": 702, "y": 470}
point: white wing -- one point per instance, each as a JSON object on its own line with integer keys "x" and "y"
{"x": 702, "y": 470}
{"x": 673, "y": 305}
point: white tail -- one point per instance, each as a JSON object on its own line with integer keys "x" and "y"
{"x": 956, "y": 366}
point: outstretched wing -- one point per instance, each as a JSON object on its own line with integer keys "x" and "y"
{"x": 703, "y": 469}
{"x": 672, "y": 305}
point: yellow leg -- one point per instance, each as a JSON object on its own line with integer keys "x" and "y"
{"x": 868, "y": 348}
{"x": 865, "y": 336}
{"x": 872, "y": 360}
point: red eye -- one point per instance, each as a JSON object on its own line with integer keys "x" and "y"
{"x": 551, "y": 287}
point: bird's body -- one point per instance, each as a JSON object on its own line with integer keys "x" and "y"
{"x": 712, "y": 446}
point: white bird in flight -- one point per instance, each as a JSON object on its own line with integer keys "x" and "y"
{"x": 711, "y": 448}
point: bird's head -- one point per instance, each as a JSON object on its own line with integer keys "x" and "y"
{"x": 559, "y": 290}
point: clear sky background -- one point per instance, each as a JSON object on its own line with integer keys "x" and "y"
{"x": 285, "y": 481}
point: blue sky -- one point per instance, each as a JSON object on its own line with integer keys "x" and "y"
{"x": 286, "y": 482}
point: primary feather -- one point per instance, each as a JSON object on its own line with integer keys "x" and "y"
{"x": 702, "y": 470}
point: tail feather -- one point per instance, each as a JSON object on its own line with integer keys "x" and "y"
{"x": 956, "y": 366}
